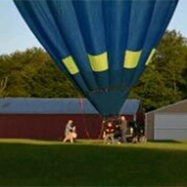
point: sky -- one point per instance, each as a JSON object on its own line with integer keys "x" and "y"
{"x": 15, "y": 34}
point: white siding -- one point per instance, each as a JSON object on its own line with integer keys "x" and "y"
{"x": 170, "y": 126}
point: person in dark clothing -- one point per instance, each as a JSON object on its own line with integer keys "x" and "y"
{"x": 109, "y": 132}
{"x": 117, "y": 134}
{"x": 123, "y": 127}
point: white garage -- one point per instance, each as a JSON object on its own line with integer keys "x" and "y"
{"x": 170, "y": 126}
{"x": 167, "y": 123}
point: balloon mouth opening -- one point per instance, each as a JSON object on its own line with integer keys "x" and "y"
{"x": 108, "y": 103}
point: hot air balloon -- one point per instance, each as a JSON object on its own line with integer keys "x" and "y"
{"x": 103, "y": 46}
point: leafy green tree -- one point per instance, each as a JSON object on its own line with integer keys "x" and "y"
{"x": 3, "y": 84}
{"x": 33, "y": 73}
{"x": 163, "y": 82}
{"x": 50, "y": 82}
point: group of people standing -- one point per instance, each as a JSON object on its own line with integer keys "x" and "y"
{"x": 115, "y": 130}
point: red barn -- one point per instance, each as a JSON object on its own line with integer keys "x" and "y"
{"x": 46, "y": 118}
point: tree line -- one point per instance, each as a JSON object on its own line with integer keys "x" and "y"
{"x": 33, "y": 73}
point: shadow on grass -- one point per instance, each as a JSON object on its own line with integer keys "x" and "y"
{"x": 165, "y": 141}
{"x": 91, "y": 165}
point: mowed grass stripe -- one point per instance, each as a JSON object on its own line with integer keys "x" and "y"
{"x": 90, "y": 163}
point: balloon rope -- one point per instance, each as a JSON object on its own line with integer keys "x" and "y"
{"x": 82, "y": 111}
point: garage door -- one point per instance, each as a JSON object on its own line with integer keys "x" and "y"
{"x": 170, "y": 126}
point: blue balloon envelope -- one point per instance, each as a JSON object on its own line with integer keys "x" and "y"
{"x": 103, "y": 46}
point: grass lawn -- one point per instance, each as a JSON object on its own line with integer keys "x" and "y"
{"x": 48, "y": 163}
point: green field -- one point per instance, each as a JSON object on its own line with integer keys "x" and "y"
{"x": 89, "y": 163}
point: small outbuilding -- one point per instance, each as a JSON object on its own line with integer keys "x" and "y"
{"x": 167, "y": 123}
{"x": 46, "y": 118}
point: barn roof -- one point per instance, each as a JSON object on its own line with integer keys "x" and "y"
{"x": 58, "y": 106}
